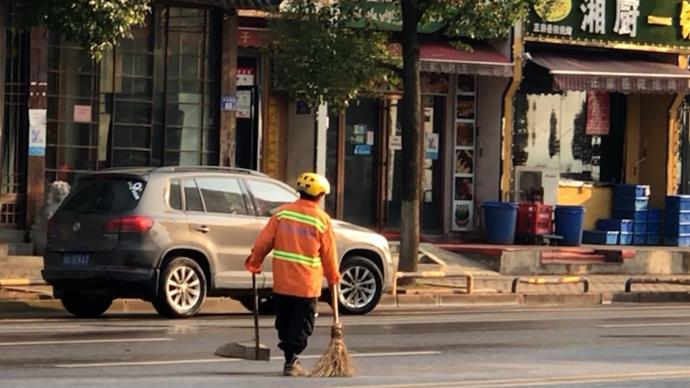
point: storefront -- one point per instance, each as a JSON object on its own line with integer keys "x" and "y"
{"x": 461, "y": 110}
{"x": 169, "y": 96}
{"x": 600, "y": 100}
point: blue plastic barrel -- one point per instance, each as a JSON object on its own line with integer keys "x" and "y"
{"x": 569, "y": 220}
{"x": 499, "y": 222}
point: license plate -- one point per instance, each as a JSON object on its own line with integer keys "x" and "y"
{"x": 78, "y": 259}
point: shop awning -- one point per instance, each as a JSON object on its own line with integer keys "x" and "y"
{"x": 234, "y": 4}
{"x": 440, "y": 57}
{"x": 612, "y": 73}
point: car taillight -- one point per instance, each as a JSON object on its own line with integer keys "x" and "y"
{"x": 129, "y": 224}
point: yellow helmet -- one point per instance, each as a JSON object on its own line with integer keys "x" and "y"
{"x": 313, "y": 184}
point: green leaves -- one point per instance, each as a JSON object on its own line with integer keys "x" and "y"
{"x": 331, "y": 51}
{"x": 327, "y": 54}
{"x": 96, "y": 24}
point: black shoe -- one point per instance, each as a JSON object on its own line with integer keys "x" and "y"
{"x": 294, "y": 369}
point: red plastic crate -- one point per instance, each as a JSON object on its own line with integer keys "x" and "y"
{"x": 534, "y": 219}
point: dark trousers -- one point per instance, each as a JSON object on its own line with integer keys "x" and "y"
{"x": 295, "y": 323}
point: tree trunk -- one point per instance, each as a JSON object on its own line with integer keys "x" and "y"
{"x": 411, "y": 138}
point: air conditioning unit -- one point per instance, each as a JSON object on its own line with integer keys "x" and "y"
{"x": 530, "y": 179}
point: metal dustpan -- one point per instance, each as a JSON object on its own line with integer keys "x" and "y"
{"x": 247, "y": 350}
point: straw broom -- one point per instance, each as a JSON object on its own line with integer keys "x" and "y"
{"x": 336, "y": 362}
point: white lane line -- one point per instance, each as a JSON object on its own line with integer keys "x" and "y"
{"x": 546, "y": 380}
{"x": 215, "y": 360}
{"x": 659, "y": 324}
{"x": 97, "y": 341}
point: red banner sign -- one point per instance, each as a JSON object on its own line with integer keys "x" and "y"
{"x": 598, "y": 113}
{"x": 249, "y": 37}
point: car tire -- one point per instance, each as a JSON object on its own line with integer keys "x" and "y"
{"x": 85, "y": 306}
{"x": 181, "y": 289}
{"x": 267, "y": 305}
{"x": 361, "y": 285}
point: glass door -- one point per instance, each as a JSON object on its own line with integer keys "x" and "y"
{"x": 432, "y": 174}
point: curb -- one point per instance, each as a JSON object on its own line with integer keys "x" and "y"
{"x": 387, "y": 303}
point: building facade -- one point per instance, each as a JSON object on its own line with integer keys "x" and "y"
{"x": 600, "y": 97}
{"x": 169, "y": 96}
{"x": 359, "y": 150}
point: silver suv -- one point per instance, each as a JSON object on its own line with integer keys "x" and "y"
{"x": 174, "y": 235}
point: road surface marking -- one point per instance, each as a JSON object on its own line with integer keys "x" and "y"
{"x": 98, "y": 341}
{"x": 662, "y": 324}
{"x": 547, "y": 380}
{"x": 214, "y": 360}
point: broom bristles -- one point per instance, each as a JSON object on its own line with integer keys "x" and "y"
{"x": 336, "y": 362}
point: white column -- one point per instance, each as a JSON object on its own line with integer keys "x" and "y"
{"x": 321, "y": 139}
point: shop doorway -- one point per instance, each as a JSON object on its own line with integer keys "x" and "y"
{"x": 248, "y": 109}
{"x": 684, "y": 186}
{"x": 362, "y": 158}
{"x": 364, "y": 164}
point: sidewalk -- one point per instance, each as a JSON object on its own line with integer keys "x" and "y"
{"x": 489, "y": 288}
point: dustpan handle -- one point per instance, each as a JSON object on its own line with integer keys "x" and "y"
{"x": 256, "y": 312}
{"x": 335, "y": 293}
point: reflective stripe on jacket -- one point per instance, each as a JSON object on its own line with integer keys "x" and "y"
{"x": 301, "y": 238}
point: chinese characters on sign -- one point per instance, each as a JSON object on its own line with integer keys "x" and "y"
{"x": 624, "y": 84}
{"x": 657, "y": 23}
{"x": 627, "y": 12}
{"x": 685, "y": 19}
{"x": 594, "y": 16}
{"x": 547, "y": 28}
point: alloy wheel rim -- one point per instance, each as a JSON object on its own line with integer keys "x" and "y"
{"x": 183, "y": 288}
{"x": 357, "y": 287}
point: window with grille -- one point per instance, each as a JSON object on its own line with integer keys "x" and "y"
{"x": 152, "y": 101}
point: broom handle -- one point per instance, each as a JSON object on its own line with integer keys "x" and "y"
{"x": 335, "y": 293}
{"x": 256, "y": 312}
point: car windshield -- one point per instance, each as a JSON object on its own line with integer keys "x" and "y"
{"x": 105, "y": 196}
{"x": 269, "y": 196}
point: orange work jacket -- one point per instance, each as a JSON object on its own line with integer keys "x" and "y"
{"x": 301, "y": 238}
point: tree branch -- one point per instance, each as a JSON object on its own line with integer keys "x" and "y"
{"x": 441, "y": 32}
{"x": 390, "y": 67}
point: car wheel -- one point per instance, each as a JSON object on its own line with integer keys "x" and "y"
{"x": 267, "y": 305}
{"x": 181, "y": 290}
{"x": 85, "y": 306}
{"x": 361, "y": 284}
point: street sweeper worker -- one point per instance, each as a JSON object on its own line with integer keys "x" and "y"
{"x": 301, "y": 238}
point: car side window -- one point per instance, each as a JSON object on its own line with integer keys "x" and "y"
{"x": 269, "y": 196}
{"x": 192, "y": 197}
{"x": 175, "y": 195}
{"x": 223, "y": 195}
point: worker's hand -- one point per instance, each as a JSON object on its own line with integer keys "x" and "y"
{"x": 250, "y": 267}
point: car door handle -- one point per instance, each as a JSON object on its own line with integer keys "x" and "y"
{"x": 203, "y": 229}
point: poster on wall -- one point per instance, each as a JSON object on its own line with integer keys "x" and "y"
{"x": 464, "y": 167}
{"x": 464, "y": 189}
{"x": 37, "y": 132}
{"x": 598, "y": 113}
{"x": 464, "y": 162}
{"x": 465, "y": 107}
{"x": 244, "y": 104}
{"x": 82, "y": 113}
{"x": 431, "y": 146}
{"x": 463, "y": 215}
{"x": 464, "y": 134}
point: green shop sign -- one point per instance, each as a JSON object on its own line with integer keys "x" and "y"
{"x": 651, "y": 24}
{"x": 385, "y": 16}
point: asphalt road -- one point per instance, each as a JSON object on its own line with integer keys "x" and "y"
{"x": 481, "y": 347}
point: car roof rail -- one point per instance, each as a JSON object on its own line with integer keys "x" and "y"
{"x": 125, "y": 169}
{"x": 237, "y": 170}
